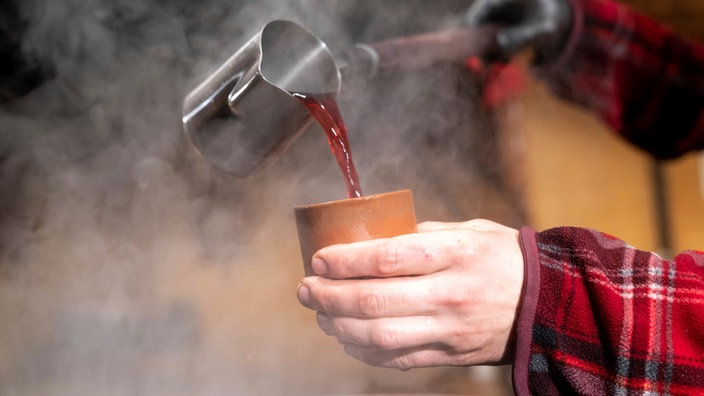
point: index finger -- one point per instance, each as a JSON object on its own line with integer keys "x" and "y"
{"x": 405, "y": 255}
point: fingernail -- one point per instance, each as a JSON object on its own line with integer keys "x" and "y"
{"x": 319, "y": 266}
{"x": 303, "y": 294}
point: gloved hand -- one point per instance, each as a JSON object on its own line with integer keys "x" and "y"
{"x": 539, "y": 24}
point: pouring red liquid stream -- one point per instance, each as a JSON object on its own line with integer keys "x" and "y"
{"x": 324, "y": 108}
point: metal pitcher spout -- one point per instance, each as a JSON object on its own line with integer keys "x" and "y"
{"x": 244, "y": 113}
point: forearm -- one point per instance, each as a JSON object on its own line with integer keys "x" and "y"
{"x": 599, "y": 316}
{"x": 643, "y": 80}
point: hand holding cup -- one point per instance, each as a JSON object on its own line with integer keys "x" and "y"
{"x": 444, "y": 296}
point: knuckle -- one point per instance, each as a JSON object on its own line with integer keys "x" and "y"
{"x": 339, "y": 330}
{"x": 479, "y": 223}
{"x": 382, "y": 337}
{"x": 325, "y": 300}
{"x": 371, "y": 303}
{"x": 428, "y": 254}
{"x": 387, "y": 259}
{"x": 458, "y": 299}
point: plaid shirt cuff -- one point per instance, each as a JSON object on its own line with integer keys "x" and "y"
{"x": 526, "y": 313}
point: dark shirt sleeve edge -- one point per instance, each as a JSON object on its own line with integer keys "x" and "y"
{"x": 527, "y": 309}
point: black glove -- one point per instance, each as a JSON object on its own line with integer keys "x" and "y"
{"x": 539, "y": 24}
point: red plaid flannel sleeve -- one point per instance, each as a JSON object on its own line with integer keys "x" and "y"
{"x": 601, "y": 317}
{"x": 646, "y": 82}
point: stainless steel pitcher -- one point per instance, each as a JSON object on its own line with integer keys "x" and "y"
{"x": 244, "y": 113}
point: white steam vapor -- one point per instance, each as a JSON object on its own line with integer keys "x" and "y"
{"x": 128, "y": 266}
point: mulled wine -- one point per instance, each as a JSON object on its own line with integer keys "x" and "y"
{"x": 324, "y": 108}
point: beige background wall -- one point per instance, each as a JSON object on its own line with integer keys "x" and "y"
{"x": 578, "y": 172}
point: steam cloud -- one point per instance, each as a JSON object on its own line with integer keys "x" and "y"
{"x": 130, "y": 266}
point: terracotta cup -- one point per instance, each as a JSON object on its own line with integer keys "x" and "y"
{"x": 352, "y": 220}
